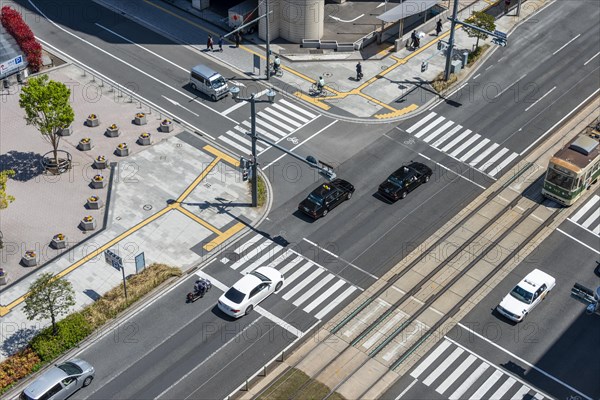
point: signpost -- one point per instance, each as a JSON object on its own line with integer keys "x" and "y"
{"x": 140, "y": 262}
{"x": 8, "y": 66}
{"x": 117, "y": 262}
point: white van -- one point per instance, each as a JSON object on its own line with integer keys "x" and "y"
{"x": 209, "y": 82}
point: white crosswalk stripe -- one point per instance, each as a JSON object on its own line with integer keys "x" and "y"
{"x": 276, "y": 122}
{"x": 308, "y": 285}
{"x": 451, "y": 366}
{"x": 462, "y": 144}
{"x": 588, "y": 215}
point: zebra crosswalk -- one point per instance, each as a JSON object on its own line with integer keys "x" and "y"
{"x": 456, "y": 373}
{"x": 308, "y": 285}
{"x": 462, "y": 144}
{"x": 588, "y": 216}
{"x": 275, "y": 123}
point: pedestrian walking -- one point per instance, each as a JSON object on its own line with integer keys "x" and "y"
{"x": 221, "y": 43}
{"x": 238, "y": 39}
{"x": 438, "y": 27}
{"x": 359, "y": 73}
{"x": 414, "y": 39}
{"x": 209, "y": 43}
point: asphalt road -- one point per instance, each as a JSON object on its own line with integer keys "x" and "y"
{"x": 554, "y": 351}
{"x": 190, "y": 349}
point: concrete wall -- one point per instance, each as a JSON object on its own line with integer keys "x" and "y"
{"x": 295, "y": 20}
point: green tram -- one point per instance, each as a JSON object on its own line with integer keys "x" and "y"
{"x": 574, "y": 168}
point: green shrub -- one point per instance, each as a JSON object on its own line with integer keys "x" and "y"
{"x": 71, "y": 330}
{"x": 477, "y": 54}
{"x": 439, "y": 84}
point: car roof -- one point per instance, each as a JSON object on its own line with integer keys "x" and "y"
{"x": 44, "y": 382}
{"x": 247, "y": 283}
{"x": 535, "y": 279}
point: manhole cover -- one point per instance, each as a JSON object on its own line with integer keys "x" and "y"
{"x": 147, "y": 207}
{"x": 317, "y": 51}
{"x": 327, "y": 74}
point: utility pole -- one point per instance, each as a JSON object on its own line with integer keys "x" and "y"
{"x": 268, "y": 39}
{"x": 254, "y": 157}
{"x": 451, "y": 41}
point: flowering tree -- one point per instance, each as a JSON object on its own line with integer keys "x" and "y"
{"x": 47, "y": 107}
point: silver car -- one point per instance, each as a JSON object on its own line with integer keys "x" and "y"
{"x": 60, "y": 381}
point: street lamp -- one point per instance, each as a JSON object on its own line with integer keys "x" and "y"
{"x": 235, "y": 94}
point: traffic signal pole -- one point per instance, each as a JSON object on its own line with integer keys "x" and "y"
{"x": 254, "y": 159}
{"x": 451, "y": 41}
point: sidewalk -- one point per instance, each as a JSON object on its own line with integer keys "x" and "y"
{"x": 373, "y": 97}
{"x": 178, "y": 201}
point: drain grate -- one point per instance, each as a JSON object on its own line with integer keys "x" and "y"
{"x": 316, "y": 51}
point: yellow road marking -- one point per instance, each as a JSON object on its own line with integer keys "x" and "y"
{"x": 224, "y": 236}
{"x": 4, "y": 310}
{"x": 312, "y": 100}
{"x": 220, "y": 154}
{"x": 397, "y": 113}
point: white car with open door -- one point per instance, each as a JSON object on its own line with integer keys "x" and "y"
{"x": 526, "y": 295}
{"x": 249, "y": 291}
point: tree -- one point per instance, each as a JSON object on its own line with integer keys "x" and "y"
{"x": 481, "y": 20}
{"x": 46, "y": 105}
{"x": 5, "y": 198}
{"x": 49, "y": 297}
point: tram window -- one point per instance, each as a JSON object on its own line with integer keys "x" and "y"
{"x": 556, "y": 178}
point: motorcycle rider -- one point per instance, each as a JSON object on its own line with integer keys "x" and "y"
{"x": 200, "y": 287}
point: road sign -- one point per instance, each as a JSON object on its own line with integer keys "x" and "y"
{"x": 140, "y": 262}
{"x": 8, "y": 66}
{"x": 501, "y": 35}
{"x": 113, "y": 259}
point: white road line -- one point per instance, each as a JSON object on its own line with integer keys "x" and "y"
{"x": 205, "y": 359}
{"x": 566, "y": 44}
{"x": 313, "y": 289}
{"x": 288, "y": 327}
{"x": 243, "y": 150}
{"x": 259, "y": 130}
{"x": 446, "y": 136}
{"x": 489, "y": 163}
{"x": 379, "y": 332}
{"x": 535, "y": 102}
{"x": 284, "y": 256}
{"x": 521, "y": 393}
{"x": 263, "y": 115}
{"x": 251, "y": 254}
{"x": 338, "y": 300}
{"x": 234, "y": 107}
{"x": 299, "y": 109}
{"x": 274, "y": 112}
{"x": 298, "y": 145}
{"x": 594, "y": 56}
{"x": 487, "y": 385}
{"x": 524, "y": 362}
{"x": 474, "y": 150}
{"x": 455, "y": 141}
{"x": 476, "y": 76}
{"x": 243, "y": 139}
{"x": 338, "y": 257}
{"x": 289, "y": 112}
{"x": 468, "y": 382}
{"x": 430, "y": 359}
{"x": 403, "y": 340}
{"x": 443, "y": 366}
{"x": 483, "y": 155}
{"x": 291, "y": 265}
{"x": 503, "y": 164}
{"x": 503, "y": 389}
{"x": 258, "y": 263}
{"x": 511, "y": 85}
{"x": 455, "y": 374}
{"x": 406, "y": 390}
{"x": 303, "y": 283}
{"x": 438, "y": 131}
{"x": 585, "y": 208}
{"x": 298, "y": 272}
{"x": 454, "y": 172}
{"x": 343, "y": 20}
{"x": 357, "y": 323}
{"x": 560, "y": 121}
{"x": 595, "y": 215}
{"x": 466, "y": 144}
{"x": 578, "y": 241}
{"x": 430, "y": 127}
{"x": 421, "y": 122}
{"x": 312, "y": 305}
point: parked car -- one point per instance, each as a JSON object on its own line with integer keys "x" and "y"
{"x": 404, "y": 180}
{"x": 326, "y": 197}
{"x": 60, "y": 381}
{"x": 249, "y": 291}
{"x": 526, "y": 295}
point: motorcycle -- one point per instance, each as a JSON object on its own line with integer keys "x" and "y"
{"x": 201, "y": 286}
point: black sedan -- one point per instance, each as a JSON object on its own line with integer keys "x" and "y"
{"x": 326, "y": 197}
{"x": 406, "y": 179}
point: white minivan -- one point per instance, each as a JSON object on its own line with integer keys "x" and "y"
{"x": 209, "y": 82}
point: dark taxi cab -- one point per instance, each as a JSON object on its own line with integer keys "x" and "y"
{"x": 405, "y": 179}
{"x": 324, "y": 198}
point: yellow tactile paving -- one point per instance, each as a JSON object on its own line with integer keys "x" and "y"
{"x": 312, "y": 100}
{"x": 397, "y": 113}
{"x": 221, "y": 236}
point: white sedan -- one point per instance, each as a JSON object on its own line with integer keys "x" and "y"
{"x": 250, "y": 290}
{"x": 526, "y": 295}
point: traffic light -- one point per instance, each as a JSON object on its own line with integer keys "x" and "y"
{"x": 424, "y": 66}
{"x": 244, "y": 163}
{"x": 499, "y": 41}
{"x": 245, "y": 174}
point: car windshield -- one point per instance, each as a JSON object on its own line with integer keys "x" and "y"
{"x": 235, "y": 295}
{"x": 559, "y": 179}
{"x": 395, "y": 180}
{"x": 260, "y": 276}
{"x": 217, "y": 83}
{"x": 315, "y": 198}
{"x": 522, "y": 295}
{"x": 70, "y": 368}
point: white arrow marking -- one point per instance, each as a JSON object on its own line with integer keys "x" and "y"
{"x": 179, "y": 105}
{"x": 342, "y": 20}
